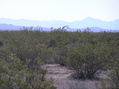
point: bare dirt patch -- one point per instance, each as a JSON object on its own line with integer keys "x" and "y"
{"x": 61, "y": 74}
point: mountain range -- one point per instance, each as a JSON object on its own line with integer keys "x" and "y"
{"x": 92, "y": 23}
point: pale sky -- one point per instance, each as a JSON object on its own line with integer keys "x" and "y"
{"x": 66, "y": 10}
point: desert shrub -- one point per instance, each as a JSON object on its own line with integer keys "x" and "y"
{"x": 26, "y": 44}
{"x": 115, "y": 76}
{"x": 62, "y": 55}
{"x": 22, "y": 69}
{"x": 112, "y": 82}
{"x": 16, "y": 74}
{"x": 1, "y": 44}
{"x": 87, "y": 60}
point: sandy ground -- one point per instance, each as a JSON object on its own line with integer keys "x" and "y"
{"x": 61, "y": 74}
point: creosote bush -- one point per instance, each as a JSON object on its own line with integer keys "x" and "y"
{"x": 16, "y": 74}
{"x": 113, "y": 81}
{"x": 86, "y": 60}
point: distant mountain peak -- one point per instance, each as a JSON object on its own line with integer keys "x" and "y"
{"x": 90, "y": 18}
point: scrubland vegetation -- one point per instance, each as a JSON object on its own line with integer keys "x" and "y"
{"x": 22, "y": 54}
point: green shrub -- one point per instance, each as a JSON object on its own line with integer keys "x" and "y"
{"x": 16, "y": 74}
{"x": 62, "y": 55}
{"x": 86, "y": 60}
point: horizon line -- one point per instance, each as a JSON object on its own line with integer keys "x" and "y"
{"x": 58, "y": 20}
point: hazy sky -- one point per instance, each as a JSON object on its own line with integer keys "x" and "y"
{"x": 67, "y": 10}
